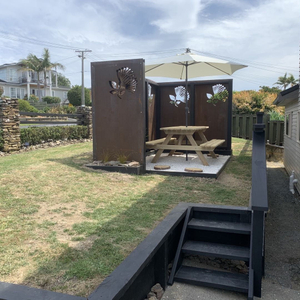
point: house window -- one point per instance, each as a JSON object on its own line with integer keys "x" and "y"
{"x": 18, "y": 93}
{"x": 53, "y": 93}
{"x": 13, "y": 93}
{"x": 288, "y": 121}
{"x": 65, "y": 95}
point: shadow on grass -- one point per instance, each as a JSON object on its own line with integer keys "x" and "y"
{"x": 109, "y": 233}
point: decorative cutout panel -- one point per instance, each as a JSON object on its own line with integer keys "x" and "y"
{"x": 127, "y": 81}
{"x": 219, "y": 94}
{"x": 179, "y": 96}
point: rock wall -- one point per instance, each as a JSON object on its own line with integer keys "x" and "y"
{"x": 10, "y": 124}
{"x": 86, "y": 119}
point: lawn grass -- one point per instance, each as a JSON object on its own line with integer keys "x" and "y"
{"x": 64, "y": 227}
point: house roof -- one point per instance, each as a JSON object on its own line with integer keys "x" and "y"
{"x": 287, "y": 96}
{"x": 2, "y": 80}
{"x": 7, "y": 65}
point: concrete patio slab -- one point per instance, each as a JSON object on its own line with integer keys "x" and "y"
{"x": 178, "y": 164}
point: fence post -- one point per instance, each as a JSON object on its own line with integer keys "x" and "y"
{"x": 10, "y": 124}
{"x": 86, "y": 119}
{"x": 258, "y": 203}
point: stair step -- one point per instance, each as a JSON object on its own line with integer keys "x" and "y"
{"x": 212, "y": 278}
{"x": 216, "y": 250}
{"x": 221, "y": 226}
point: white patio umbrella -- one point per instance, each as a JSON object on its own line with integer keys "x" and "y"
{"x": 189, "y": 65}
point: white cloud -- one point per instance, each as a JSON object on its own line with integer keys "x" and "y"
{"x": 263, "y": 30}
{"x": 176, "y": 16}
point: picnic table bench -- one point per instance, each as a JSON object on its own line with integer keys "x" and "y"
{"x": 185, "y": 132}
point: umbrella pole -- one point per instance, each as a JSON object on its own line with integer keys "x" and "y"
{"x": 186, "y": 104}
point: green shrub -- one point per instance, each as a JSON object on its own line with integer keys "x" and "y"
{"x": 1, "y": 140}
{"x": 36, "y": 135}
{"x": 51, "y": 100}
{"x": 1, "y": 90}
{"x": 25, "y": 106}
{"x": 32, "y": 97}
{"x": 276, "y": 116}
{"x": 74, "y": 96}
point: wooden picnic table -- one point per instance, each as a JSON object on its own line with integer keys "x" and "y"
{"x": 186, "y": 132}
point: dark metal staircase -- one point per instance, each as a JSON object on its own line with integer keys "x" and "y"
{"x": 216, "y": 232}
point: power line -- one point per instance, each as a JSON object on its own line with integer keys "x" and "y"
{"x": 18, "y": 38}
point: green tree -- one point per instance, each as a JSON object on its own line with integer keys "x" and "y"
{"x": 285, "y": 81}
{"x": 292, "y": 81}
{"x": 74, "y": 96}
{"x": 251, "y": 102}
{"x": 39, "y": 65}
{"x": 271, "y": 90}
{"x": 61, "y": 80}
{"x": 48, "y": 66}
{"x": 34, "y": 64}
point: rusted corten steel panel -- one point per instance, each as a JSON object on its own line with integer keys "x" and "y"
{"x": 201, "y": 113}
{"x": 118, "y": 93}
{"x": 217, "y": 117}
{"x": 170, "y": 114}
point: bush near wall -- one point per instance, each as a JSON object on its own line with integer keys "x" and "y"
{"x": 51, "y": 100}
{"x": 24, "y": 105}
{"x": 38, "y": 135}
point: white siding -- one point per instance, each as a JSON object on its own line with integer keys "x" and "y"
{"x": 292, "y": 144}
{"x": 3, "y": 74}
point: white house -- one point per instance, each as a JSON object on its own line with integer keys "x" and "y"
{"x": 18, "y": 82}
{"x": 290, "y": 99}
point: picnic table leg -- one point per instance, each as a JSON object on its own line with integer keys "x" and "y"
{"x": 202, "y": 137}
{"x": 199, "y": 153}
{"x": 213, "y": 154}
{"x": 160, "y": 151}
{"x": 177, "y": 143}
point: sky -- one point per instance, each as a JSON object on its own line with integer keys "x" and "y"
{"x": 263, "y": 34}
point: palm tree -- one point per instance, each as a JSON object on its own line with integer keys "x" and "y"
{"x": 292, "y": 80}
{"x": 48, "y": 66}
{"x": 283, "y": 81}
{"x": 34, "y": 64}
{"x": 38, "y": 65}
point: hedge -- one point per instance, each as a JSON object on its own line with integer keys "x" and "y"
{"x": 38, "y": 135}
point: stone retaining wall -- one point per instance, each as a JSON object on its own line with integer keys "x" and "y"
{"x": 10, "y": 124}
{"x": 87, "y": 119}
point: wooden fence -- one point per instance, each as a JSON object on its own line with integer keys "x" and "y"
{"x": 47, "y": 118}
{"x": 242, "y": 127}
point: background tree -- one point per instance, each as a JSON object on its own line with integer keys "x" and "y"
{"x": 61, "y": 80}
{"x": 74, "y": 96}
{"x": 292, "y": 80}
{"x": 251, "y": 102}
{"x": 272, "y": 90}
{"x": 48, "y": 66}
{"x": 34, "y": 64}
{"x": 285, "y": 81}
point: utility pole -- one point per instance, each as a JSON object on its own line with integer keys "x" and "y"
{"x": 82, "y": 76}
